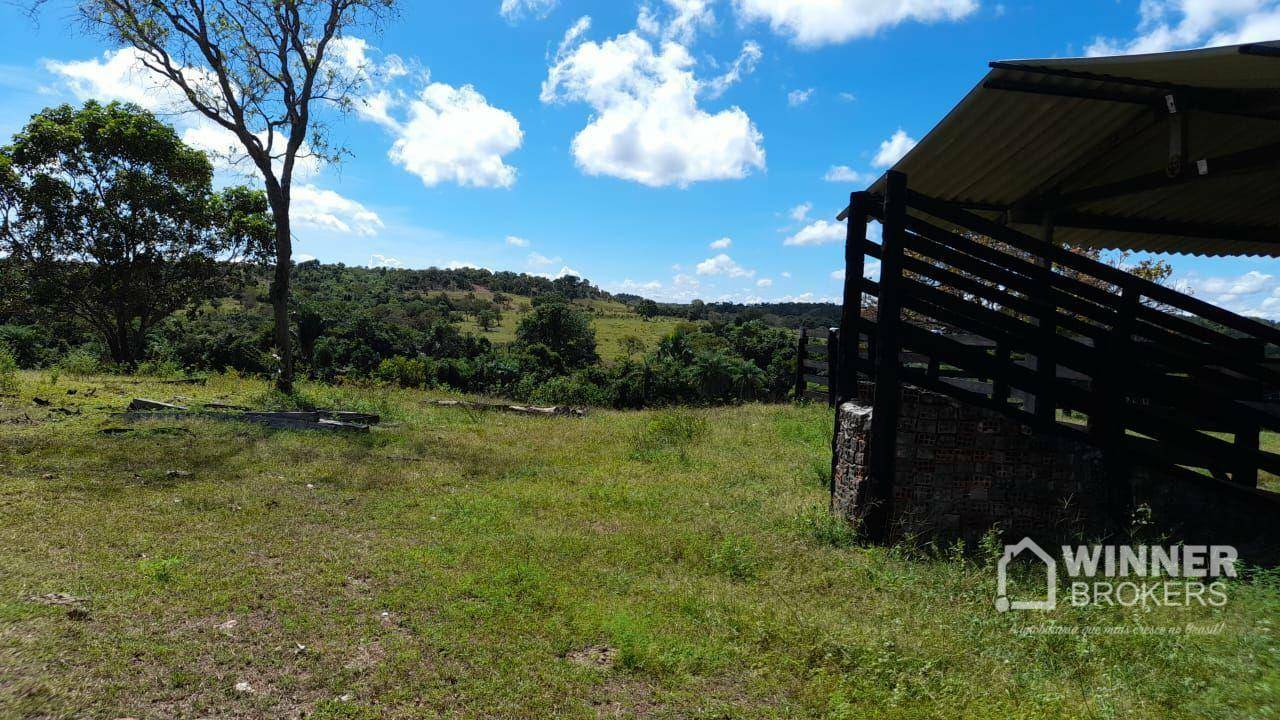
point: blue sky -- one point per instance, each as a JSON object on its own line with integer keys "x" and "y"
{"x": 678, "y": 149}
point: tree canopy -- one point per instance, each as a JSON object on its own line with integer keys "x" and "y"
{"x": 256, "y": 69}
{"x": 561, "y": 328}
{"x": 112, "y": 218}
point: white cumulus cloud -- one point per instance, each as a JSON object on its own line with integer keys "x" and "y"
{"x": 382, "y": 261}
{"x": 1181, "y": 24}
{"x": 846, "y": 174}
{"x": 893, "y": 149}
{"x": 721, "y": 244}
{"x": 452, "y": 134}
{"x": 800, "y": 213}
{"x": 327, "y": 210}
{"x": 119, "y": 75}
{"x": 764, "y": 282}
{"x": 820, "y": 22}
{"x": 514, "y": 10}
{"x": 1252, "y": 293}
{"x": 744, "y": 65}
{"x": 819, "y": 232}
{"x": 441, "y": 133}
{"x": 722, "y": 264}
{"x": 517, "y": 241}
{"x": 537, "y": 259}
{"x": 648, "y": 125}
{"x": 796, "y": 98}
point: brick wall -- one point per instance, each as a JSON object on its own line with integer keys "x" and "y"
{"x": 962, "y": 469}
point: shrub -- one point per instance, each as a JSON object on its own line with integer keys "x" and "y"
{"x": 160, "y": 570}
{"x": 31, "y": 345}
{"x": 737, "y": 558}
{"x": 405, "y": 372}
{"x": 579, "y": 389}
{"x": 456, "y": 373}
{"x": 669, "y": 432}
{"x": 564, "y": 329}
{"x": 8, "y": 371}
{"x": 80, "y": 363}
{"x": 827, "y": 528}
{"x": 159, "y": 368}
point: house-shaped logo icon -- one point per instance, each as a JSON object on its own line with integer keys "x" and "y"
{"x": 1003, "y": 604}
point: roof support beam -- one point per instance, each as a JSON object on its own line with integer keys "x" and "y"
{"x": 972, "y": 205}
{"x": 1258, "y": 104}
{"x": 1257, "y": 159}
{"x": 1260, "y": 50}
{"x": 1213, "y": 231}
{"x": 1104, "y": 94}
{"x": 1112, "y": 79}
{"x": 1099, "y": 156}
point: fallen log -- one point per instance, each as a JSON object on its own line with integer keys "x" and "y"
{"x": 311, "y": 417}
{"x": 143, "y": 404}
{"x": 351, "y": 417}
{"x": 553, "y": 411}
{"x": 141, "y": 409}
{"x": 225, "y": 406}
{"x": 198, "y": 380}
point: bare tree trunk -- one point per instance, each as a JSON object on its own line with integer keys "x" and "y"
{"x": 121, "y": 344}
{"x": 280, "y": 288}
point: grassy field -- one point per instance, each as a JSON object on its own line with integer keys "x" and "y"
{"x": 613, "y": 321}
{"x": 455, "y": 564}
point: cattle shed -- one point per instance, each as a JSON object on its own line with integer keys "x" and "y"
{"x": 989, "y": 296}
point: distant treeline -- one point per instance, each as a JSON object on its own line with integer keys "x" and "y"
{"x": 402, "y": 327}
{"x": 780, "y": 314}
{"x": 391, "y": 280}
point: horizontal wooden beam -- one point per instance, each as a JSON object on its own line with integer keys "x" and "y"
{"x": 1180, "y": 228}
{"x": 1063, "y": 256}
{"x": 1183, "y": 100}
{"x": 1082, "y": 93}
{"x": 1266, "y": 157}
{"x": 1260, "y": 50}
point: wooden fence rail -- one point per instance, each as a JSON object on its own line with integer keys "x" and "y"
{"x": 816, "y": 359}
{"x": 1055, "y": 339}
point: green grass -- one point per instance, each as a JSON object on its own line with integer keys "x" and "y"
{"x": 457, "y": 564}
{"x": 612, "y": 321}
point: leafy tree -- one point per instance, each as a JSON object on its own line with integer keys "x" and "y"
{"x": 487, "y": 317}
{"x": 648, "y": 309}
{"x": 311, "y": 325}
{"x": 258, "y": 69}
{"x": 564, "y": 329}
{"x": 113, "y": 219}
{"x": 632, "y": 345}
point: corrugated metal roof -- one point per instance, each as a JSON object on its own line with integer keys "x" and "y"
{"x": 1002, "y": 147}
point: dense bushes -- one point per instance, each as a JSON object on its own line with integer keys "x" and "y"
{"x": 8, "y": 370}
{"x": 695, "y": 365}
{"x": 563, "y": 329}
{"x": 383, "y": 325}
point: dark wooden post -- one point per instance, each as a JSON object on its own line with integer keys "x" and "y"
{"x": 833, "y": 362}
{"x": 884, "y": 418}
{"x": 802, "y": 354}
{"x": 1045, "y": 406}
{"x": 851, "y": 310}
{"x": 1000, "y": 385}
{"x": 843, "y": 375}
{"x": 1110, "y": 394}
{"x": 1247, "y": 436}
